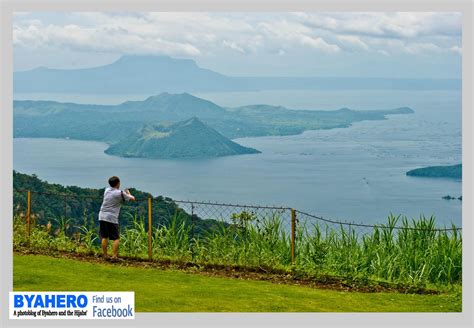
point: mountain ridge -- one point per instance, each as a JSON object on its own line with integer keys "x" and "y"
{"x": 154, "y": 74}
{"x": 111, "y": 123}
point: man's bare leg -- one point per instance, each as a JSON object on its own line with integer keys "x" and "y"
{"x": 105, "y": 243}
{"x": 115, "y": 247}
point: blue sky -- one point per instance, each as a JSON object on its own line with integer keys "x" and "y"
{"x": 375, "y": 44}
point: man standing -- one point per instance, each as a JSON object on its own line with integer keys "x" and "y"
{"x": 109, "y": 215}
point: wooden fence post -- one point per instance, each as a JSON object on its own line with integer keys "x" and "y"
{"x": 150, "y": 250}
{"x": 28, "y": 214}
{"x": 293, "y": 234}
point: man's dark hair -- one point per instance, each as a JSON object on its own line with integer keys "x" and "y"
{"x": 114, "y": 181}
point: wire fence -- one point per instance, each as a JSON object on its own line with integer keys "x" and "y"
{"x": 232, "y": 213}
{"x": 42, "y": 207}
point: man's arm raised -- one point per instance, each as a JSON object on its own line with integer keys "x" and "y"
{"x": 128, "y": 195}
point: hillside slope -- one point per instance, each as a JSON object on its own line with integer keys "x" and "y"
{"x": 186, "y": 139}
{"x": 52, "y": 202}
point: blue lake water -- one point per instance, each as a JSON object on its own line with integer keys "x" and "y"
{"x": 355, "y": 174}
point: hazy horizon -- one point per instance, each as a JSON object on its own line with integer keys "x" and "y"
{"x": 309, "y": 44}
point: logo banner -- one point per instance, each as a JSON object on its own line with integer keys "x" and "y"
{"x": 72, "y": 305}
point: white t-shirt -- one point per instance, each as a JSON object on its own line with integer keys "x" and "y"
{"x": 110, "y": 209}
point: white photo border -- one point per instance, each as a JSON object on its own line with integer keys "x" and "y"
{"x": 464, "y": 319}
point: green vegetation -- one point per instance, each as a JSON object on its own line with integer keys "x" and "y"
{"x": 186, "y": 139}
{"x": 53, "y": 203}
{"x": 449, "y": 197}
{"x": 264, "y": 120}
{"x": 411, "y": 257}
{"x": 117, "y": 124}
{"x": 451, "y": 171}
{"x": 175, "y": 291}
{"x": 417, "y": 255}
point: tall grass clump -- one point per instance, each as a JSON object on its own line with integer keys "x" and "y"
{"x": 52, "y": 236}
{"x": 416, "y": 254}
{"x": 134, "y": 238}
{"x": 402, "y": 251}
{"x": 173, "y": 240}
{"x": 247, "y": 242}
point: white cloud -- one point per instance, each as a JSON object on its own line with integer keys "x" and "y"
{"x": 456, "y": 49}
{"x": 418, "y": 48}
{"x": 379, "y": 24}
{"x": 232, "y": 45}
{"x": 411, "y": 47}
{"x": 318, "y": 43}
{"x": 205, "y": 34}
{"x": 102, "y": 38}
{"x": 290, "y": 33}
{"x": 353, "y": 41}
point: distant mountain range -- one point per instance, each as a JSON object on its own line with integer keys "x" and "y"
{"x": 118, "y": 124}
{"x": 110, "y": 123}
{"x": 186, "y": 139}
{"x": 156, "y": 74}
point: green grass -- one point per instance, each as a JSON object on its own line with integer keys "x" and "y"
{"x": 159, "y": 290}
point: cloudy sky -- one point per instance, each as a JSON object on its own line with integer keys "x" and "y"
{"x": 251, "y": 44}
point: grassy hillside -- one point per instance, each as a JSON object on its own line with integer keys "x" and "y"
{"x": 54, "y": 202}
{"x": 186, "y": 139}
{"x": 174, "y": 291}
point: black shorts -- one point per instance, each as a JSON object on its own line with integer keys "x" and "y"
{"x": 109, "y": 230}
